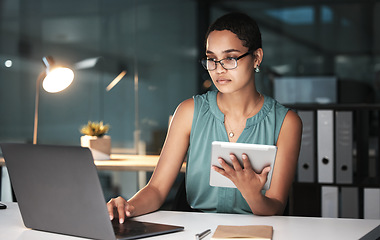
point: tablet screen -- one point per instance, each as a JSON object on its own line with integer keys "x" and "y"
{"x": 259, "y": 155}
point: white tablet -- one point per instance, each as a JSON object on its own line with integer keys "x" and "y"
{"x": 259, "y": 155}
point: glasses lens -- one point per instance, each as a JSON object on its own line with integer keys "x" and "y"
{"x": 204, "y": 63}
{"x": 208, "y": 64}
{"x": 229, "y": 63}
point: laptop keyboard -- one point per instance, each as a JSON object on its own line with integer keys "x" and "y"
{"x": 132, "y": 229}
{"x": 129, "y": 228}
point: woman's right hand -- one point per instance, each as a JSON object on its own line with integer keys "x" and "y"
{"x": 119, "y": 207}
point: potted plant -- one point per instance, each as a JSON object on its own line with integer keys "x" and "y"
{"x": 96, "y": 139}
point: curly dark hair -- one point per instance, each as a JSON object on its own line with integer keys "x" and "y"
{"x": 242, "y": 25}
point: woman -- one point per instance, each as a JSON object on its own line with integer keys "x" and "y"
{"x": 237, "y": 112}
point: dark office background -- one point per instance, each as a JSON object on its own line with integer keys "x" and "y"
{"x": 160, "y": 42}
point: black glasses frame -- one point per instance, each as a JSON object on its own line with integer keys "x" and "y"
{"x": 204, "y": 62}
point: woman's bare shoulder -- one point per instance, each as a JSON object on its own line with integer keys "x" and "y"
{"x": 293, "y": 119}
{"x": 185, "y": 108}
{"x": 291, "y": 129}
{"x": 188, "y": 103}
{"x": 183, "y": 116}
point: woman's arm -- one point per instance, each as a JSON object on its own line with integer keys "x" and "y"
{"x": 288, "y": 147}
{"x": 250, "y": 184}
{"x": 153, "y": 195}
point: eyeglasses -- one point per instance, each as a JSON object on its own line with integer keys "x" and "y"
{"x": 227, "y": 63}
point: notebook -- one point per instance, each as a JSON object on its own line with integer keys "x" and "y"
{"x": 58, "y": 190}
{"x": 257, "y": 232}
{"x": 259, "y": 155}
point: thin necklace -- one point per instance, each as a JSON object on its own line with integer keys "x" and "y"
{"x": 231, "y": 133}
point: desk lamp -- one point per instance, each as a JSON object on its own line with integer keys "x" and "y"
{"x": 54, "y": 79}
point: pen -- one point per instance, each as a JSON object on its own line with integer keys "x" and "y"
{"x": 203, "y": 234}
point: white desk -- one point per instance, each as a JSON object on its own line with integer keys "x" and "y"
{"x": 287, "y": 228}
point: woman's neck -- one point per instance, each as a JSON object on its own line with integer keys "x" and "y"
{"x": 239, "y": 104}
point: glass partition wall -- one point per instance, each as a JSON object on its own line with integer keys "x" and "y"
{"x": 318, "y": 38}
{"x": 152, "y": 40}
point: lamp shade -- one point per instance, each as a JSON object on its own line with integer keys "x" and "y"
{"x": 58, "y": 79}
{"x": 54, "y": 80}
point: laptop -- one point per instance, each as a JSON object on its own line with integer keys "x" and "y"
{"x": 58, "y": 190}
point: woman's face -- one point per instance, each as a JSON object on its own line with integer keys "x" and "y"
{"x": 223, "y": 44}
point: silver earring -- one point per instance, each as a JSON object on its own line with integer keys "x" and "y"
{"x": 257, "y": 69}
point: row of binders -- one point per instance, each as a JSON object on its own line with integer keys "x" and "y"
{"x": 344, "y": 202}
{"x": 335, "y": 159}
{"x": 330, "y": 139}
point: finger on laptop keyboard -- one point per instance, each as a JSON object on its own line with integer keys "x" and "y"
{"x": 120, "y": 204}
{"x": 117, "y": 205}
{"x": 129, "y": 210}
{"x": 110, "y": 208}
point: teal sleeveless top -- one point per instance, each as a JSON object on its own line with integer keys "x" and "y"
{"x": 208, "y": 126}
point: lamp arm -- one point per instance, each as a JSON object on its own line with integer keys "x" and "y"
{"x": 36, "y": 104}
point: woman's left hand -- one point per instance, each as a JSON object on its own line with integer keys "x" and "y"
{"x": 244, "y": 177}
